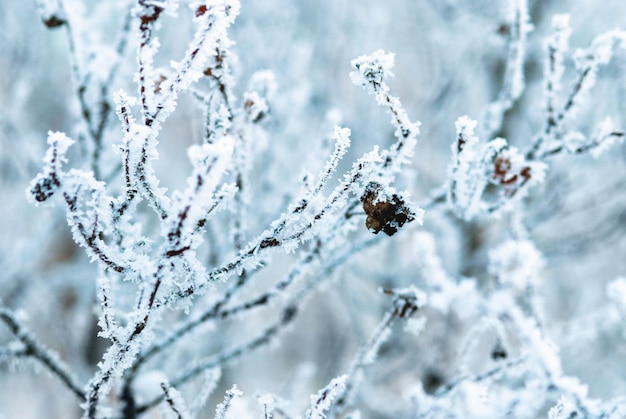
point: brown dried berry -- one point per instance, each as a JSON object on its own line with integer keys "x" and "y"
{"x": 157, "y": 84}
{"x": 255, "y": 115}
{"x": 502, "y": 165}
{"x": 201, "y": 10}
{"x": 54, "y": 21}
{"x": 386, "y": 215}
{"x": 498, "y": 352}
{"x": 504, "y": 29}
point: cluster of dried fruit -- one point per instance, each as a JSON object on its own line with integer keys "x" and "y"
{"x": 384, "y": 213}
{"x": 508, "y": 176}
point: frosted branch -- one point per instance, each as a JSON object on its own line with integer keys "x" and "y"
{"x": 476, "y": 165}
{"x": 513, "y": 84}
{"x": 222, "y": 410}
{"x": 588, "y": 62}
{"x": 324, "y": 398}
{"x": 45, "y": 356}
{"x": 175, "y": 401}
{"x": 406, "y": 302}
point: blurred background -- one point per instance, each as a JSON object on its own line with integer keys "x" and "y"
{"x": 450, "y": 58}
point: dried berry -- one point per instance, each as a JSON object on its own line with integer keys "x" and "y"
{"x": 150, "y": 15}
{"x": 158, "y": 82}
{"x": 54, "y": 21}
{"x": 510, "y": 176}
{"x": 386, "y": 214}
{"x": 201, "y": 10}
{"x": 498, "y": 352}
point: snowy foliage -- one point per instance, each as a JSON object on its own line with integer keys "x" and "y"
{"x": 224, "y": 215}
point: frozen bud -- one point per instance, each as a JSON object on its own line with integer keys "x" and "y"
{"x": 372, "y": 69}
{"x": 44, "y": 187}
{"x": 48, "y": 181}
{"x": 255, "y": 106}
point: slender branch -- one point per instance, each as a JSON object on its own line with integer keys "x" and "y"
{"x": 44, "y": 355}
{"x": 174, "y": 401}
{"x": 405, "y": 304}
{"x": 229, "y": 355}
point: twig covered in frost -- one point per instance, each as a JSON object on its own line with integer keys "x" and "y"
{"x": 371, "y": 73}
{"x": 476, "y": 165}
{"x": 39, "y": 352}
{"x": 87, "y": 226}
{"x": 513, "y": 84}
{"x": 588, "y": 62}
{"x": 479, "y": 378}
{"x": 289, "y": 314}
{"x": 577, "y": 143}
{"x": 406, "y": 302}
{"x": 556, "y": 45}
{"x": 209, "y": 384}
{"x": 287, "y": 232}
{"x": 157, "y": 106}
{"x": 267, "y": 404}
{"x": 222, "y": 410}
{"x": 220, "y": 311}
{"x": 308, "y": 263}
{"x": 229, "y": 355}
{"x": 175, "y": 401}
{"x": 95, "y": 115}
{"x": 321, "y": 402}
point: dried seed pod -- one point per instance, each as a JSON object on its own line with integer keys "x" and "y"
{"x": 383, "y": 213}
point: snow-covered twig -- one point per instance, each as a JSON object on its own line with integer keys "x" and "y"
{"x": 222, "y": 410}
{"x": 36, "y": 350}
{"x": 513, "y": 84}
{"x": 175, "y": 401}
{"x": 406, "y": 302}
